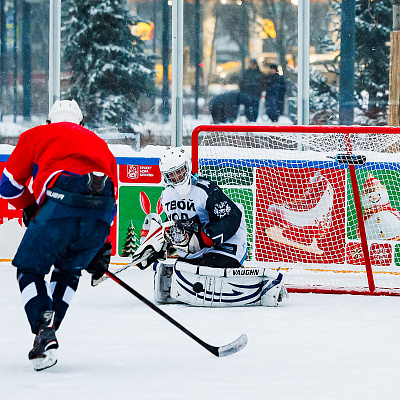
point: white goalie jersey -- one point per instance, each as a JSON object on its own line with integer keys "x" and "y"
{"x": 223, "y": 220}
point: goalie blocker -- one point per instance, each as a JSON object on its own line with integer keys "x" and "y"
{"x": 217, "y": 287}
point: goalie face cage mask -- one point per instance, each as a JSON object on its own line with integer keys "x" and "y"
{"x": 178, "y": 177}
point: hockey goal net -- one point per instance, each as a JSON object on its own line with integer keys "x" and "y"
{"x": 322, "y": 203}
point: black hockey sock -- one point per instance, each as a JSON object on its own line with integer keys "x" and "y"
{"x": 34, "y": 296}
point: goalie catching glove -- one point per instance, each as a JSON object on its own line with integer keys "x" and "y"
{"x": 187, "y": 235}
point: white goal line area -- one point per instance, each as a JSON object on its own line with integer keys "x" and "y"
{"x": 321, "y": 203}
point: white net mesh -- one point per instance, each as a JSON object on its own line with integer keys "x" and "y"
{"x": 300, "y": 207}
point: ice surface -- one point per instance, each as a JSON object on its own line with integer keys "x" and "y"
{"x": 112, "y": 346}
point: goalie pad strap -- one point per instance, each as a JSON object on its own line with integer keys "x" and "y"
{"x": 223, "y": 272}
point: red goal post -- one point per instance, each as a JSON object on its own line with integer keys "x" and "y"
{"x": 321, "y": 203}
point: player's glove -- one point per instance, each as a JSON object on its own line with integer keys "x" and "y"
{"x": 193, "y": 226}
{"x": 190, "y": 226}
{"x": 99, "y": 265}
{"x": 188, "y": 232}
{"x": 29, "y": 213}
{"x": 180, "y": 233}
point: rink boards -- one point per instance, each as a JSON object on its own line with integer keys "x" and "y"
{"x": 260, "y": 184}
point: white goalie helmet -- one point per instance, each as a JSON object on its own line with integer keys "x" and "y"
{"x": 65, "y": 111}
{"x": 176, "y": 169}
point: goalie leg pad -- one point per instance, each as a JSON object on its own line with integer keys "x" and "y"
{"x": 162, "y": 284}
{"x": 273, "y": 292}
{"x": 220, "y": 287}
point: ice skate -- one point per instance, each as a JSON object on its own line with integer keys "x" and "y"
{"x": 43, "y": 354}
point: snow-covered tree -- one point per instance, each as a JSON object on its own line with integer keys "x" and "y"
{"x": 373, "y": 26}
{"x": 110, "y": 70}
{"x": 131, "y": 242}
{"x": 324, "y": 99}
{"x": 372, "y": 36}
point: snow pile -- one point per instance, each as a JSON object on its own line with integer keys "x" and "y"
{"x": 6, "y": 148}
{"x": 123, "y": 150}
{"x": 10, "y": 129}
{"x": 11, "y": 233}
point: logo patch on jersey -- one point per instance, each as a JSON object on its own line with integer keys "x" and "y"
{"x": 182, "y": 205}
{"x": 55, "y": 195}
{"x": 222, "y": 209}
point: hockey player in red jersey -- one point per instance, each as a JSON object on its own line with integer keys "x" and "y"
{"x": 64, "y": 177}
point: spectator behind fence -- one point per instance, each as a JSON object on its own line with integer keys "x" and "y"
{"x": 251, "y": 87}
{"x": 224, "y": 107}
{"x": 275, "y": 89}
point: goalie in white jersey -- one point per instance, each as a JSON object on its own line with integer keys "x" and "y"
{"x": 213, "y": 225}
{"x": 208, "y": 231}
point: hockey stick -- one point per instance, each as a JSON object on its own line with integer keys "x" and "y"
{"x": 104, "y": 277}
{"x": 155, "y": 238}
{"x": 221, "y": 351}
{"x": 147, "y": 253}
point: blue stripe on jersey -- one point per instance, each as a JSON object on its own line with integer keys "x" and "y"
{"x": 35, "y": 170}
{"x": 9, "y": 189}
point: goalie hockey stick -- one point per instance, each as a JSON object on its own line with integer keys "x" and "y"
{"x": 220, "y": 351}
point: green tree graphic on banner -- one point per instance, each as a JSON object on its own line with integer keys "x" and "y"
{"x": 131, "y": 210}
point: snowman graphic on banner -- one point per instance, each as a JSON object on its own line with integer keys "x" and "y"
{"x": 381, "y": 220}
